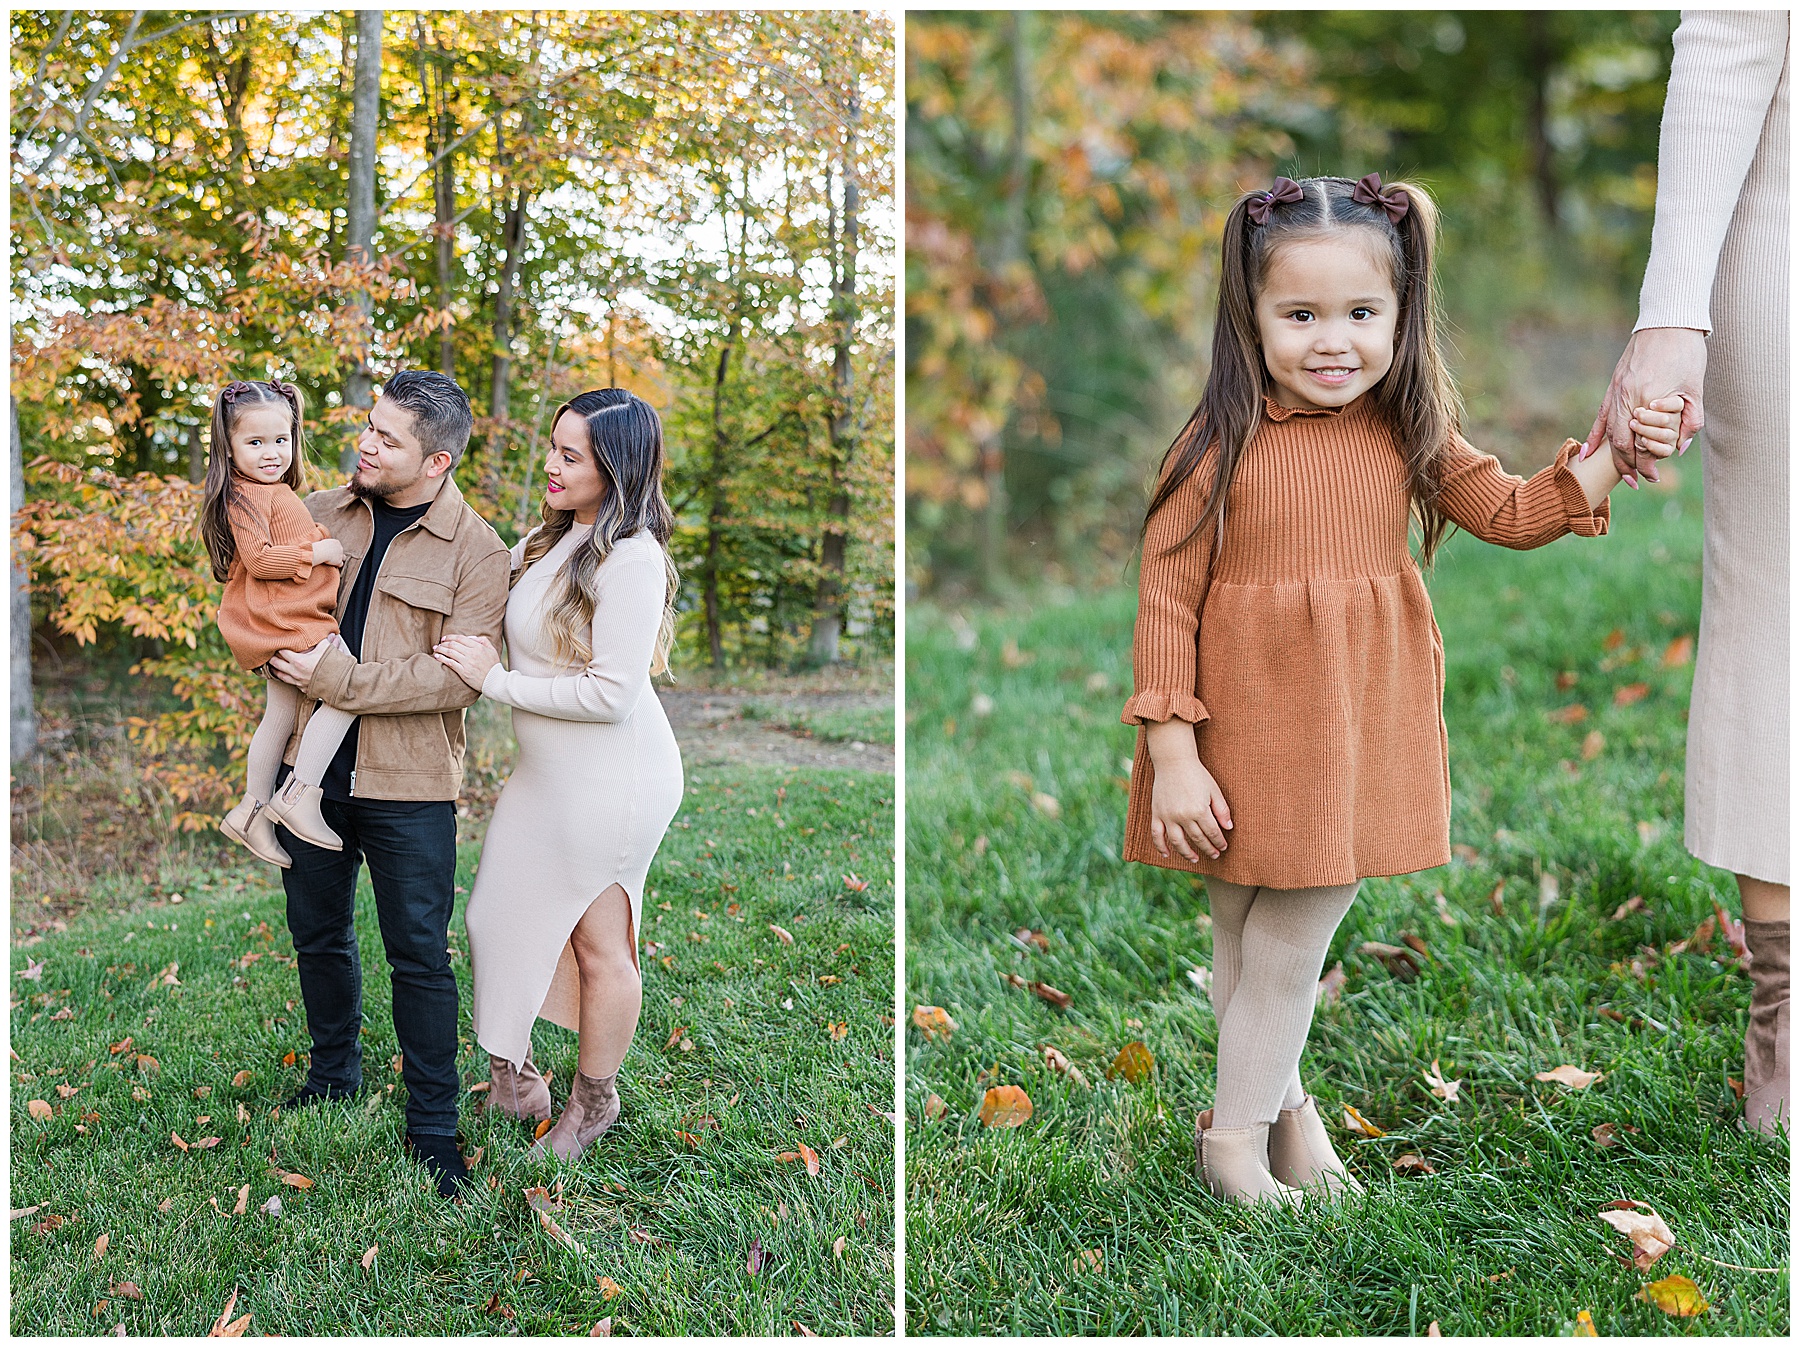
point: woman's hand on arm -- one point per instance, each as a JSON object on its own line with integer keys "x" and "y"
{"x": 1187, "y": 808}
{"x": 471, "y": 658}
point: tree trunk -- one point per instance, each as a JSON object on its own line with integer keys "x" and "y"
{"x": 715, "y": 515}
{"x": 1012, "y": 253}
{"x": 828, "y": 609}
{"x": 513, "y": 239}
{"x": 360, "y": 230}
{"x": 434, "y": 85}
{"x": 24, "y": 713}
{"x": 196, "y": 455}
{"x": 1541, "y": 59}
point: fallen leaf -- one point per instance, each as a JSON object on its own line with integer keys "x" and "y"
{"x": 639, "y": 1235}
{"x": 675, "y": 1037}
{"x": 234, "y": 1329}
{"x": 1702, "y": 938}
{"x": 1401, "y": 963}
{"x": 855, "y": 883}
{"x": 166, "y": 1205}
{"x": 837, "y": 1031}
{"x": 368, "y": 1259}
{"x": 123, "y": 1045}
{"x": 49, "y": 1223}
{"x": 272, "y": 1207}
{"x": 1502, "y": 1276}
{"x": 754, "y": 1263}
{"x": 1443, "y": 1089}
{"x": 1331, "y": 986}
{"x": 1614, "y": 639}
{"x": 32, "y": 972}
{"x": 125, "y": 1291}
{"x": 837, "y": 1247}
{"x": 562, "y": 1237}
{"x": 1584, "y": 1326}
{"x": 243, "y": 1114}
{"x": 1433, "y": 1331}
{"x": 1005, "y": 1106}
{"x": 933, "y": 1021}
{"x": 40, "y": 1109}
{"x": 1675, "y": 1295}
{"x": 1635, "y": 903}
{"x": 1495, "y": 899}
{"x": 1569, "y": 715}
{"x": 1444, "y": 913}
{"x": 1025, "y": 936}
{"x": 176, "y": 1138}
{"x": 1737, "y": 1086}
{"x": 1631, "y": 692}
{"x": 1135, "y": 1062}
{"x": 19, "y": 1213}
{"x": 481, "y": 1087}
{"x": 1678, "y": 652}
{"x": 805, "y": 1332}
{"x": 935, "y": 1108}
{"x": 781, "y": 935}
{"x": 1047, "y": 805}
{"x": 1355, "y": 1122}
{"x": 1045, "y": 992}
{"x": 100, "y": 1246}
{"x": 1414, "y": 1164}
{"x": 1087, "y": 1260}
{"x": 1415, "y": 943}
{"x": 299, "y": 1181}
{"x": 207, "y": 1143}
{"x": 542, "y": 1127}
{"x": 1572, "y": 1076}
{"x": 808, "y": 1154}
{"x": 1202, "y": 980}
{"x": 1059, "y": 1064}
{"x": 1593, "y": 744}
{"x": 495, "y": 1307}
{"x": 243, "y": 1201}
{"x": 1606, "y": 1134}
{"x": 602, "y": 1328}
{"x": 1639, "y": 1222}
{"x": 1733, "y": 931}
{"x": 288, "y": 1060}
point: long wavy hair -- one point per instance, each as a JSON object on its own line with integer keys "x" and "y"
{"x": 625, "y": 437}
{"x": 221, "y": 497}
{"x": 1416, "y": 397}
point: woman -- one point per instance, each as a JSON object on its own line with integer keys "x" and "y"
{"x": 558, "y": 900}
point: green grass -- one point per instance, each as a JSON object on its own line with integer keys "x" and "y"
{"x": 841, "y": 724}
{"x": 1503, "y": 1238}
{"x": 763, "y": 1064}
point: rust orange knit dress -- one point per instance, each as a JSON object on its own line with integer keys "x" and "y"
{"x": 275, "y": 598}
{"x": 1307, "y": 656}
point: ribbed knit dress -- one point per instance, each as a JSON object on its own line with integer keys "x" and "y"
{"x": 597, "y": 783}
{"x": 1719, "y": 263}
{"x": 1307, "y": 656}
{"x": 275, "y": 598}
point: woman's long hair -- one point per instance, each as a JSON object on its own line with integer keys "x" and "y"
{"x": 220, "y": 497}
{"x": 625, "y": 438}
{"x": 1416, "y": 396}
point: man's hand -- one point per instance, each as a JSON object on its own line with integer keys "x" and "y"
{"x": 296, "y": 666}
{"x": 471, "y": 658}
{"x": 1658, "y": 363}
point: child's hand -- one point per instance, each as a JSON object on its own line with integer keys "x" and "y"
{"x": 1187, "y": 808}
{"x": 1655, "y": 428}
{"x": 328, "y": 552}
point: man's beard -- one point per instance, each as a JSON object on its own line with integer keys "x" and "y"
{"x": 368, "y": 491}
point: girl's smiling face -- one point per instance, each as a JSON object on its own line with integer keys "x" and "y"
{"x": 1326, "y": 314}
{"x": 574, "y": 480}
{"x": 262, "y": 442}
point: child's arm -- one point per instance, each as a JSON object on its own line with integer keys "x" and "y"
{"x": 252, "y": 531}
{"x": 1480, "y": 496}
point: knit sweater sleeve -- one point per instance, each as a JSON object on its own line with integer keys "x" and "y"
{"x": 1482, "y": 497}
{"x": 1722, "y": 81}
{"x": 1171, "y": 588}
{"x": 253, "y": 530}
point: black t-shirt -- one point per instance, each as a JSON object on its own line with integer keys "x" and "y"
{"x": 389, "y": 522}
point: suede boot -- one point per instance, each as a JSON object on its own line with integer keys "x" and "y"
{"x": 1234, "y": 1163}
{"x": 592, "y": 1108}
{"x": 296, "y": 808}
{"x": 519, "y": 1093}
{"x": 1301, "y": 1155}
{"x": 249, "y": 825}
{"x": 1766, "y": 1040}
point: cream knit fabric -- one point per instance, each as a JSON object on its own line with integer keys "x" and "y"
{"x": 1719, "y": 262}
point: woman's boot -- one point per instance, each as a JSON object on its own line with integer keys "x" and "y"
{"x": 1234, "y": 1164}
{"x": 592, "y": 1108}
{"x": 296, "y": 808}
{"x": 519, "y": 1092}
{"x": 249, "y": 825}
{"x": 1301, "y": 1156}
{"x": 1766, "y": 1040}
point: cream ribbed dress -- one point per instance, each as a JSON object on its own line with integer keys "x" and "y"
{"x": 597, "y": 783}
{"x": 1719, "y": 263}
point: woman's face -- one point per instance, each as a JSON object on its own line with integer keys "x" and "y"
{"x": 573, "y": 473}
{"x": 262, "y": 442}
{"x": 1327, "y": 315}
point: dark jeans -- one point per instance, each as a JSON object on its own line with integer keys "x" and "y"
{"x": 411, "y": 850}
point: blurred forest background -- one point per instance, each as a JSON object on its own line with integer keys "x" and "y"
{"x": 693, "y": 206}
{"x": 1067, "y": 177}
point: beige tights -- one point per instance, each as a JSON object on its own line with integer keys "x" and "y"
{"x": 318, "y": 745}
{"x": 1269, "y": 947}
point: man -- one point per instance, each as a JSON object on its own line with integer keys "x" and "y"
{"x": 420, "y": 564}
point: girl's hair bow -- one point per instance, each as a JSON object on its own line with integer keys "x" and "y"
{"x": 1283, "y": 190}
{"x": 1368, "y": 192}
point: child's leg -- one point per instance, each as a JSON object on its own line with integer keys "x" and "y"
{"x": 270, "y": 739}
{"x": 1231, "y": 905}
{"x": 1264, "y": 1029}
{"x": 319, "y": 743}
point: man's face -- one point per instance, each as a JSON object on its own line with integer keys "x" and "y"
{"x": 390, "y": 460}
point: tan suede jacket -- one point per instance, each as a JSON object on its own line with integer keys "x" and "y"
{"x": 446, "y": 572}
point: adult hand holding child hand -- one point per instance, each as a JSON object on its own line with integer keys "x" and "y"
{"x": 1186, "y": 805}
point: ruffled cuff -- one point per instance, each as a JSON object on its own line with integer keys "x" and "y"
{"x": 1152, "y": 708}
{"x": 1583, "y": 521}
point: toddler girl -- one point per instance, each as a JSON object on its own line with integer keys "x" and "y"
{"x": 281, "y": 575}
{"x": 1289, "y": 673}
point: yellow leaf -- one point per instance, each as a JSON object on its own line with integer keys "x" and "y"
{"x": 609, "y": 1288}
{"x": 1675, "y": 1295}
{"x": 1355, "y": 1122}
{"x": 933, "y": 1021}
{"x": 1135, "y": 1062}
{"x": 1005, "y": 1106}
{"x": 1584, "y": 1326}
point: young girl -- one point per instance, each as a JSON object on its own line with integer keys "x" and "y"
{"x": 1289, "y": 673}
{"x": 281, "y": 574}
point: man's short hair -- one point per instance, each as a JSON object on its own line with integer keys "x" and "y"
{"x": 440, "y": 410}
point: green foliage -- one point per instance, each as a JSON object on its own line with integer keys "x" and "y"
{"x": 1503, "y": 1237}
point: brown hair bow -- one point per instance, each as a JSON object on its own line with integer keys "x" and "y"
{"x": 1283, "y": 190}
{"x": 1368, "y": 192}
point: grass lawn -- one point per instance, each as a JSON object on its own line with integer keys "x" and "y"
{"x": 748, "y": 1044}
{"x": 839, "y": 724}
{"x": 1088, "y": 1218}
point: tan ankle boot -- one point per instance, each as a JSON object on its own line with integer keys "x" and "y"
{"x": 517, "y": 1092}
{"x": 1766, "y": 1040}
{"x": 592, "y": 1108}
{"x": 1301, "y": 1156}
{"x": 249, "y": 825}
{"x": 296, "y": 808}
{"x": 1233, "y": 1162}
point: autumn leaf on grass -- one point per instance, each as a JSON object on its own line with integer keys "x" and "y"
{"x": 1202, "y": 980}
{"x": 1443, "y": 1089}
{"x": 495, "y": 1307}
{"x": 1593, "y": 744}
{"x": 1402, "y": 963}
{"x": 32, "y": 972}
{"x": 561, "y": 1236}
{"x": 299, "y": 1181}
{"x": 1572, "y": 1076}
{"x": 935, "y": 1108}
{"x": 1675, "y": 1295}
{"x": 40, "y": 1109}
{"x": 289, "y": 1059}
{"x": 123, "y": 1045}
{"x": 1678, "y": 652}
{"x": 1702, "y": 938}
{"x": 1027, "y": 938}
{"x": 176, "y": 1138}
{"x": 368, "y": 1258}
{"x": 1063, "y": 1066}
{"x": 542, "y": 1127}
{"x": 1433, "y": 1331}
{"x": 1635, "y": 903}
{"x": 837, "y": 1031}
{"x": 125, "y": 1291}
{"x": 837, "y": 1246}
{"x": 1087, "y": 1260}
{"x": 808, "y": 1154}
{"x": 1568, "y": 715}
{"x": 754, "y": 1263}
{"x": 1733, "y": 931}
{"x": 1331, "y": 986}
{"x": 1639, "y": 1222}
{"x": 933, "y": 1021}
{"x": 1135, "y": 1062}
{"x": 1631, "y": 692}
{"x": 233, "y": 1329}
{"x": 1005, "y": 1106}
{"x": 1047, "y": 805}
{"x": 1584, "y": 1326}
{"x": 805, "y": 1332}
{"x": 1355, "y": 1122}
{"x": 855, "y": 883}
{"x": 1414, "y": 1164}
{"x": 100, "y": 1246}
{"x": 602, "y": 1328}
{"x": 243, "y": 1201}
